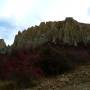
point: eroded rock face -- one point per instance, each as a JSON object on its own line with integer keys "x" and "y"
{"x": 2, "y": 44}
{"x": 68, "y": 31}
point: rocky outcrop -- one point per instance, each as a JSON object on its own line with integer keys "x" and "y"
{"x": 69, "y": 32}
{"x": 2, "y": 44}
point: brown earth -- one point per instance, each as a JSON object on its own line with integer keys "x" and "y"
{"x": 75, "y": 80}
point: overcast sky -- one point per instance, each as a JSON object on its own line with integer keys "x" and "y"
{"x": 17, "y": 15}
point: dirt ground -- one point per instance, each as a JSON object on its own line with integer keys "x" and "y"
{"x": 75, "y": 80}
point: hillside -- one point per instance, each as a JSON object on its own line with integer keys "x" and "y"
{"x": 2, "y": 44}
{"x": 51, "y": 49}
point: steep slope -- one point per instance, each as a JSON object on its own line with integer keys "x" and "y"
{"x": 68, "y": 32}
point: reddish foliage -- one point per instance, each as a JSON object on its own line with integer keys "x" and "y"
{"x": 23, "y": 62}
{"x": 28, "y": 62}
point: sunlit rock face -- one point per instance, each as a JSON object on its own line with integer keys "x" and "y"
{"x": 69, "y": 32}
{"x": 2, "y": 44}
{"x": 75, "y": 32}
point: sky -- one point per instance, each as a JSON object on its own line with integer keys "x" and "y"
{"x": 17, "y": 15}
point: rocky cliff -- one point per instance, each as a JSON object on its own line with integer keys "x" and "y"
{"x": 69, "y": 32}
